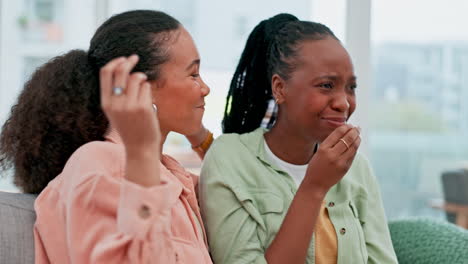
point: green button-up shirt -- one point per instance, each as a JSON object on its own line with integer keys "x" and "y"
{"x": 244, "y": 199}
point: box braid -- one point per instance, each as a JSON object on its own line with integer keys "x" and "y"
{"x": 270, "y": 49}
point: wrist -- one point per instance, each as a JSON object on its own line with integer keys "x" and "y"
{"x": 319, "y": 191}
{"x": 204, "y": 145}
{"x": 146, "y": 152}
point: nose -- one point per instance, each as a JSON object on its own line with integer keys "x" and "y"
{"x": 340, "y": 102}
{"x": 204, "y": 88}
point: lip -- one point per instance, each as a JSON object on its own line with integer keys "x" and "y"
{"x": 201, "y": 106}
{"x": 335, "y": 121}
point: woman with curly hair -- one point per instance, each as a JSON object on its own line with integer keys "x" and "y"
{"x": 86, "y": 134}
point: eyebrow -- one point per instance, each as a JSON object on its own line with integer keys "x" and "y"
{"x": 194, "y": 62}
{"x": 334, "y": 78}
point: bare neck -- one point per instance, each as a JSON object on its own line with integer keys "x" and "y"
{"x": 289, "y": 146}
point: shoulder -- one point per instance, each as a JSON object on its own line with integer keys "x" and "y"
{"x": 360, "y": 174}
{"x": 235, "y": 144}
{"x": 98, "y": 154}
{"x": 95, "y": 158}
{"x": 361, "y": 161}
{"x": 226, "y": 146}
{"x": 225, "y": 140}
{"x": 361, "y": 164}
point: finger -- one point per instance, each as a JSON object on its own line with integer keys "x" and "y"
{"x": 145, "y": 95}
{"x": 145, "y": 98}
{"x": 122, "y": 72}
{"x": 134, "y": 85}
{"x": 349, "y": 155}
{"x": 105, "y": 78}
{"x": 343, "y": 144}
{"x": 335, "y": 136}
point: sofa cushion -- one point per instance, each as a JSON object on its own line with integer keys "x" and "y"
{"x": 428, "y": 241}
{"x": 17, "y": 219}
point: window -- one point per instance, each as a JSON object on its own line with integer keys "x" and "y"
{"x": 32, "y": 32}
{"x": 419, "y": 116}
{"x": 42, "y": 20}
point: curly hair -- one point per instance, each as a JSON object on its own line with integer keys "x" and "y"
{"x": 59, "y": 108}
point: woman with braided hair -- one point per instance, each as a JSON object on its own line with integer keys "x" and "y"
{"x": 87, "y": 135}
{"x": 296, "y": 191}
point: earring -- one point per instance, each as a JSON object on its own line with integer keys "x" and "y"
{"x": 276, "y": 100}
{"x": 155, "y": 108}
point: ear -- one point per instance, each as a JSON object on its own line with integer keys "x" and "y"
{"x": 278, "y": 88}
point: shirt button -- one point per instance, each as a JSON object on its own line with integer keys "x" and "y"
{"x": 331, "y": 204}
{"x": 343, "y": 231}
{"x": 144, "y": 212}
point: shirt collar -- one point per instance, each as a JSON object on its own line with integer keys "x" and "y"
{"x": 113, "y": 135}
{"x": 255, "y": 141}
{"x": 169, "y": 166}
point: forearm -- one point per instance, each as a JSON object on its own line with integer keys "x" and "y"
{"x": 293, "y": 239}
{"x": 142, "y": 166}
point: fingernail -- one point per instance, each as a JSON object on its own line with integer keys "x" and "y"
{"x": 134, "y": 56}
{"x": 143, "y": 76}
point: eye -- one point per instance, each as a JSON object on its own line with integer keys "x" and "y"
{"x": 353, "y": 87}
{"x": 326, "y": 85}
{"x": 195, "y": 75}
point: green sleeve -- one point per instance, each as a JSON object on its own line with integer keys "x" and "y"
{"x": 231, "y": 222}
{"x": 376, "y": 232}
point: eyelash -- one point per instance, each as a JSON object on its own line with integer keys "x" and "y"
{"x": 330, "y": 86}
{"x": 195, "y": 75}
{"x": 324, "y": 84}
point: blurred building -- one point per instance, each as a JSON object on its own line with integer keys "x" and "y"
{"x": 435, "y": 75}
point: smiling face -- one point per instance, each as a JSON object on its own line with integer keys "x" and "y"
{"x": 180, "y": 92}
{"x": 319, "y": 95}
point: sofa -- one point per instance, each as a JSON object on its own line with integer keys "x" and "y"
{"x": 416, "y": 241}
{"x": 16, "y": 228}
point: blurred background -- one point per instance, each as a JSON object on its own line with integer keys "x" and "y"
{"x": 411, "y": 60}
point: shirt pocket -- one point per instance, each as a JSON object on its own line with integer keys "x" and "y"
{"x": 264, "y": 206}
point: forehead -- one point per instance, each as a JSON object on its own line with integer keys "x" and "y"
{"x": 182, "y": 48}
{"x": 324, "y": 56}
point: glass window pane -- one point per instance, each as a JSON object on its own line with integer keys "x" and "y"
{"x": 419, "y": 112}
{"x": 32, "y": 32}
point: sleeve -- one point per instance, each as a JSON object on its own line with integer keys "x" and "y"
{"x": 377, "y": 235}
{"x": 116, "y": 221}
{"x": 232, "y": 223}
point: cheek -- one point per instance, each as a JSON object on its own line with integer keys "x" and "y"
{"x": 352, "y": 105}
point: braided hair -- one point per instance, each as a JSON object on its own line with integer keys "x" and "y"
{"x": 272, "y": 48}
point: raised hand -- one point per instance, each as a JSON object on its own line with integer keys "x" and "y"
{"x": 334, "y": 157}
{"x": 127, "y": 102}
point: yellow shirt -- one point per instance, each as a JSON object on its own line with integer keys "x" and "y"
{"x": 326, "y": 244}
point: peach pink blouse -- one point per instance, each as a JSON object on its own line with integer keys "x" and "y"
{"x": 91, "y": 214}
